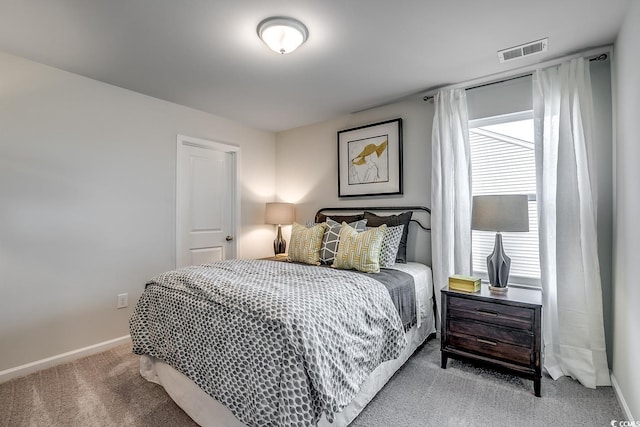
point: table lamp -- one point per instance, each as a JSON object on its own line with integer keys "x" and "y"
{"x": 278, "y": 214}
{"x": 500, "y": 213}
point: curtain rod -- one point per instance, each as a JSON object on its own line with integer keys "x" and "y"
{"x": 599, "y": 56}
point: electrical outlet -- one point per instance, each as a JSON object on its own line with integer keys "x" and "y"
{"x": 123, "y": 300}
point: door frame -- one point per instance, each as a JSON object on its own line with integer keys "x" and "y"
{"x": 234, "y": 151}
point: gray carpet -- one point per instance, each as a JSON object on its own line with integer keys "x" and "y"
{"x": 107, "y": 390}
{"x": 101, "y": 390}
{"x": 423, "y": 394}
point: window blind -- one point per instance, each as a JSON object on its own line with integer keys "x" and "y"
{"x": 503, "y": 162}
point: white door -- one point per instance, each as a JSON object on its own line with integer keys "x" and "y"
{"x": 206, "y": 199}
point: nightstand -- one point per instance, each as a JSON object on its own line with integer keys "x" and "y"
{"x": 281, "y": 258}
{"x": 501, "y": 330}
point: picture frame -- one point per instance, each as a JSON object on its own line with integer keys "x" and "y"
{"x": 370, "y": 159}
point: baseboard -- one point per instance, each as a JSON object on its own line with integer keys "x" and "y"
{"x": 623, "y": 403}
{"x": 38, "y": 365}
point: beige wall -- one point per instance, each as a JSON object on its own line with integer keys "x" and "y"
{"x": 87, "y": 203}
{"x": 626, "y": 237}
{"x": 307, "y": 160}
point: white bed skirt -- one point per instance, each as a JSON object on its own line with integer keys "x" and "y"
{"x": 208, "y": 412}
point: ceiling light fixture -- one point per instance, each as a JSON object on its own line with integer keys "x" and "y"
{"x": 282, "y": 34}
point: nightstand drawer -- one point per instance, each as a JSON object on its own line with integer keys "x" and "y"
{"x": 515, "y": 317}
{"x": 491, "y": 332}
{"x": 492, "y": 348}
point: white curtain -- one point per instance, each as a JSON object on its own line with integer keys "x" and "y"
{"x": 450, "y": 189}
{"x": 573, "y": 333}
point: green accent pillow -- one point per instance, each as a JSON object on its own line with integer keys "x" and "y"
{"x": 306, "y": 243}
{"x": 374, "y": 220}
{"x": 360, "y": 251}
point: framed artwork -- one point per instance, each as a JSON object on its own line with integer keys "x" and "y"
{"x": 370, "y": 160}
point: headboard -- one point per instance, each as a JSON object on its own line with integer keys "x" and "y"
{"x": 419, "y": 240}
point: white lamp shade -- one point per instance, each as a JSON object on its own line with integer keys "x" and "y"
{"x": 280, "y": 213}
{"x": 500, "y": 213}
{"x": 282, "y": 35}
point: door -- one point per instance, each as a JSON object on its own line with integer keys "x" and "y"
{"x": 207, "y": 205}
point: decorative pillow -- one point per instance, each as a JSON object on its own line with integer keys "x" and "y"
{"x": 374, "y": 220}
{"x": 359, "y": 250}
{"x": 390, "y": 243}
{"x": 305, "y": 243}
{"x": 339, "y": 218}
{"x": 332, "y": 237}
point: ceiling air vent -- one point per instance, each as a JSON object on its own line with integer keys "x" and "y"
{"x": 523, "y": 50}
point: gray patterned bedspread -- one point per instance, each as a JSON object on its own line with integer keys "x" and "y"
{"x": 276, "y": 343}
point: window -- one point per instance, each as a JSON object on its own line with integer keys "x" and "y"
{"x": 503, "y": 162}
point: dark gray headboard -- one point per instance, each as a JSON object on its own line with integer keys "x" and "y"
{"x": 419, "y": 241}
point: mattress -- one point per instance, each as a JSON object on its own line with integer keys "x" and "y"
{"x": 206, "y": 411}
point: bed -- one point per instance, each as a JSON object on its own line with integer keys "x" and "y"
{"x": 257, "y": 342}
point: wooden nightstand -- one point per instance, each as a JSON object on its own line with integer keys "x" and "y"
{"x": 503, "y": 330}
{"x": 281, "y": 258}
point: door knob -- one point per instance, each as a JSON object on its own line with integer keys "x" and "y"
{"x": 229, "y": 238}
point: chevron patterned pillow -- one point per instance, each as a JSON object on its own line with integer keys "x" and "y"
{"x": 360, "y": 251}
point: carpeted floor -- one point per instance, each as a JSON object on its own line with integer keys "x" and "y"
{"x": 422, "y": 394}
{"x": 101, "y": 390}
{"x": 107, "y": 390}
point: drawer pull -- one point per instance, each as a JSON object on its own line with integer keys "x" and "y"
{"x": 486, "y": 341}
{"x": 487, "y": 313}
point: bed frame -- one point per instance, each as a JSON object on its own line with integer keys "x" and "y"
{"x": 423, "y": 210}
{"x": 343, "y": 209}
{"x": 208, "y": 412}
{"x": 418, "y": 242}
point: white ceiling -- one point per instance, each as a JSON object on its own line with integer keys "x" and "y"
{"x": 205, "y": 54}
